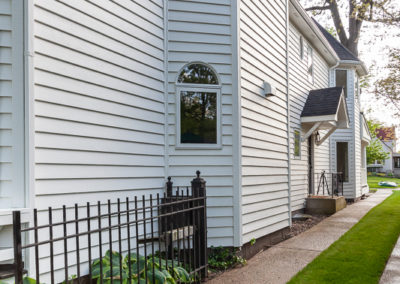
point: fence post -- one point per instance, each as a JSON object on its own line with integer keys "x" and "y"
{"x": 18, "y": 264}
{"x": 199, "y": 190}
{"x": 169, "y": 187}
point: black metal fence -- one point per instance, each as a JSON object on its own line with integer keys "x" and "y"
{"x": 158, "y": 239}
{"x": 329, "y": 183}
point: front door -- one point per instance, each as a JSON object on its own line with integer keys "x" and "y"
{"x": 310, "y": 165}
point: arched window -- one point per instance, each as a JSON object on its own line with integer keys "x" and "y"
{"x": 198, "y": 110}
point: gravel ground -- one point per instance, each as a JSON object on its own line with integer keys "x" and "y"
{"x": 299, "y": 227}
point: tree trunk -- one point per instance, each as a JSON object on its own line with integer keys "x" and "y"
{"x": 352, "y": 45}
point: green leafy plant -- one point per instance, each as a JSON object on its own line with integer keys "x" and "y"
{"x": 222, "y": 258}
{"x": 253, "y": 241}
{"x": 140, "y": 266}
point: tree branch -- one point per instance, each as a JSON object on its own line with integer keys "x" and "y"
{"x": 313, "y": 8}
{"x": 338, "y": 22}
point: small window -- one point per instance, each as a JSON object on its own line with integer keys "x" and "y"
{"x": 397, "y": 163}
{"x": 357, "y": 87}
{"x": 301, "y": 47}
{"x": 342, "y": 159}
{"x": 198, "y": 99}
{"x": 341, "y": 80}
{"x": 310, "y": 64}
{"x": 297, "y": 144}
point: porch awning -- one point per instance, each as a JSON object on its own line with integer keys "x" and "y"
{"x": 325, "y": 109}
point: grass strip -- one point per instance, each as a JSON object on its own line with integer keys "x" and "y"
{"x": 360, "y": 255}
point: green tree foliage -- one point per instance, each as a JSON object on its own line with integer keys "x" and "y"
{"x": 375, "y": 151}
{"x": 388, "y": 88}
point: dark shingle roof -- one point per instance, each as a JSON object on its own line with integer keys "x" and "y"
{"x": 342, "y": 52}
{"x": 322, "y": 102}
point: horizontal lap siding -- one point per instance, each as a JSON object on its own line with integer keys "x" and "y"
{"x": 99, "y": 100}
{"x": 299, "y": 88}
{"x": 264, "y": 120}
{"x": 201, "y": 31}
{"x": 12, "y": 187}
{"x": 11, "y": 106}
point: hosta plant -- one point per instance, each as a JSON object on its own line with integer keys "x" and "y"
{"x": 140, "y": 266}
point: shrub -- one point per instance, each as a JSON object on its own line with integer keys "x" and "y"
{"x": 222, "y": 258}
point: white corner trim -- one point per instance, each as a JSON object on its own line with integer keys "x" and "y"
{"x": 236, "y": 115}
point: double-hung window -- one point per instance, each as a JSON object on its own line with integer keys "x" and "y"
{"x": 198, "y": 107}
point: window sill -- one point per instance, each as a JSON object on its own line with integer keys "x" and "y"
{"x": 6, "y": 216}
{"x": 198, "y": 147}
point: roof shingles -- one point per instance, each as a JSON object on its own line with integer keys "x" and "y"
{"x": 322, "y": 102}
{"x": 342, "y": 52}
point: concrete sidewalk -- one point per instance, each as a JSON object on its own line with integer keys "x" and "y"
{"x": 281, "y": 262}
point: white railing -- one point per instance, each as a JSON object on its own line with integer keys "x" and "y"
{"x": 364, "y": 176}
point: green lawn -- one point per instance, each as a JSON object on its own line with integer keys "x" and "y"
{"x": 373, "y": 182}
{"x": 360, "y": 255}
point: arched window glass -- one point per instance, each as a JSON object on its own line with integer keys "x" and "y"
{"x": 198, "y": 74}
{"x": 198, "y": 106}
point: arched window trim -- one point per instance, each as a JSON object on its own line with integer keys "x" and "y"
{"x": 181, "y": 87}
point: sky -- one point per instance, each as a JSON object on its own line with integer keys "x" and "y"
{"x": 373, "y": 47}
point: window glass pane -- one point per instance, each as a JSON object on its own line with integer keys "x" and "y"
{"x": 397, "y": 163}
{"x": 198, "y": 117}
{"x": 356, "y": 87}
{"x": 297, "y": 143}
{"x": 301, "y": 47}
{"x": 341, "y": 80}
{"x": 310, "y": 65}
{"x": 342, "y": 159}
{"x": 197, "y": 74}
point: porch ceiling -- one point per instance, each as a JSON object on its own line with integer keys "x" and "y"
{"x": 325, "y": 109}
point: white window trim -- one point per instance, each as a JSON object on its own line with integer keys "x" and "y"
{"x": 294, "y": 144}
{"x": 198, "y": 88}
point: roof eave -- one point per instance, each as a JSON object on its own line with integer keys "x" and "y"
{"x": 300, "y": 18}
{"x": 359, "y": 65}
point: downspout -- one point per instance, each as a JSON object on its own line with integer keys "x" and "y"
{"x": 288, "y": 114}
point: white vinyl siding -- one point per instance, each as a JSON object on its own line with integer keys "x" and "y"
{"x": 265, "y": 207}
{"x": 12, "y": 174}
{"x": 12, "y": 187}
{"x": 99, "y": 102}
{"x": 200, "y": 31}
{"x": 299, "y": 87}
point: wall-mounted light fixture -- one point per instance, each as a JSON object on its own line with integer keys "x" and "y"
{"x": 269, "y": 90}
{"x": 317, "y": 137}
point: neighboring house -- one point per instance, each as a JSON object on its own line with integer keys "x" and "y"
{"x": 102, "y": 99}
{"x": 387, "y": 135}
